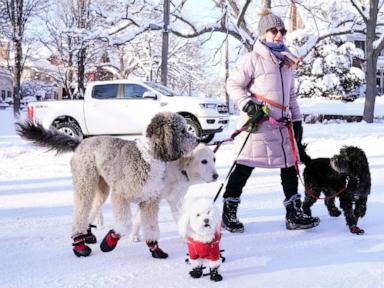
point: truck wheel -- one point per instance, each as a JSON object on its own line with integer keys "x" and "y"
{"x": 193, "y": 127}
{"x": 207, "y": 138}
{"x": 70, "y": 129}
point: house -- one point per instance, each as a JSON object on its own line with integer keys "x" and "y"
{"x": 6, "y": 81}
{"x": 293, "y": 21}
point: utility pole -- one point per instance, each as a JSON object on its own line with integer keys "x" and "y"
{"x": 164, "y": 51}
{"x": 226, "y": 61}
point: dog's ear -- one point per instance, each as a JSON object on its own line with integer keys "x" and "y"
{"x": 164, "y": 135}
{"x": 185, "y": 161}
{"x": 160, "y": 134}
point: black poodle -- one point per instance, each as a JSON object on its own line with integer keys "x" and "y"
{"x": 346, "y": 176}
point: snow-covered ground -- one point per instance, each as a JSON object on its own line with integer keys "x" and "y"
{"x": 36, "y": 207}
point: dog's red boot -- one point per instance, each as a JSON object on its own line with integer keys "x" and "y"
{"x": 356, "y": 230}
{"x": 79, "y": 247}
{"x": 110, "y": 241}
{"x": 90, "y": 238}
{"x": 156, "y": 251}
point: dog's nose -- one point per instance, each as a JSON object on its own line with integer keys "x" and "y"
{"x": 206, "y": 220}
{"x": 215, "y": 176}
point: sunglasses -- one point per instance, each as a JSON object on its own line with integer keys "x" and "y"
{"x": 274, "y": 31}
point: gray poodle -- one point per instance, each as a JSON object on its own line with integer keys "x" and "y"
{"x": 131, "y": 171}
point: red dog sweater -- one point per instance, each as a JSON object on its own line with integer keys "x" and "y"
{"x": 210, "y": 250}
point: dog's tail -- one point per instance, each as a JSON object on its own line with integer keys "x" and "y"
{"x": 51, "y": 139}
{"x": 304, "y": 157}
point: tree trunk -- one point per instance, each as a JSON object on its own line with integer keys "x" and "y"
{"x": 164, "y": 52}
{"x": 370, "y": 96}
{"x": 18, "y": 54}
{"x": 226, "y": 65}
{"x": 81, "y": 71}
{"x": 371, "y": 56}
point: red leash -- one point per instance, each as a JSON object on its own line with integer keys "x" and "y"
{"x": 291, "y": 137}
{"x": 307, "y": 190}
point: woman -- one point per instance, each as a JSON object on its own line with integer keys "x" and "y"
{"x": 264, "y": 77}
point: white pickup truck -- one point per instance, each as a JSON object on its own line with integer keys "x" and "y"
{"x": 123, "y": 107}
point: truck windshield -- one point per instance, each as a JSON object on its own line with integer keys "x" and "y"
{"x": 162, "y": 89}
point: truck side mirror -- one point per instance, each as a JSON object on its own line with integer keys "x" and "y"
{"x": 150, "y": 95}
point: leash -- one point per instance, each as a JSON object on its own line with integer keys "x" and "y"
{"x": 288, "y": 124}
{"x": 233, "y": 135}
{"x": 243, "y": 128}
{"x": 234, "y": 162}
{"x": 309, "y": 191}
{"x": 231, "y": 138}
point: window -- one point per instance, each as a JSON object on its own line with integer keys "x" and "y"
{"x": 107, "y": 91}
{"x": 3, "y": 94}
{"x": 162, "y": 89}
{"x": 360, "y": 44}
{"x": 134, "y": 91}
{"x": 9, "y": 94}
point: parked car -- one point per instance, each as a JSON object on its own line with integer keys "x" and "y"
{"x": 122, "y": 107}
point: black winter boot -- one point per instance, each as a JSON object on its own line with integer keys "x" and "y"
{"x": 214, "y": 274}
{"x": 295, "y": 218}
{"x": 230, "y": 221}
{"x": 196, "y": 272}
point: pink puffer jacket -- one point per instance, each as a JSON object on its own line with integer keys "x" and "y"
{"x": 258, "y": 72}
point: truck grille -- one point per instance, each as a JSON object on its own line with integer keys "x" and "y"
{"x": 222, "y": 108}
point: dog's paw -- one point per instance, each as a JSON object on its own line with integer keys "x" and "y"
{"x": 334, "y": 212}
{"x": 356, "y": 230}
{"x": 134, "y": 238}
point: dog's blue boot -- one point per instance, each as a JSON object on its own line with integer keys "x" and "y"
{"x": 230, "y": 221}
{"x": 295, "y": 218}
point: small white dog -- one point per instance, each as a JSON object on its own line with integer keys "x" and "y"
{"x": 199, "y": 224}
{"x": 195, "y": 168}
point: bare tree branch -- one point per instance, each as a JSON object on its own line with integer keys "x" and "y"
{"x": 240, "y": 19}
{"x": 360, "y": 11}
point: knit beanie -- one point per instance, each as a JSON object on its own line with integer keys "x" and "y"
{"x": 268, "y": 20}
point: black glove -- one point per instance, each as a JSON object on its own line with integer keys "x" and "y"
{"x": 254, "y": 111}
{"x": 298, "y": 130}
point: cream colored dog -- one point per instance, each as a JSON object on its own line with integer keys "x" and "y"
{"x": 195, "y": 168}
{"x": 200, "y": 225}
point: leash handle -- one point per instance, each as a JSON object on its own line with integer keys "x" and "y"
{"x": 233, "y": 135}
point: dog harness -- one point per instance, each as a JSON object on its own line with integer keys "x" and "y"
{"x": 200, "y": 250}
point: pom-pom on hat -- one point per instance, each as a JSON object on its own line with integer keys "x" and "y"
{"x": 268, "y": 20}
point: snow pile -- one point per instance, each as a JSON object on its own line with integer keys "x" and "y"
{"x": 36, "y": 207}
